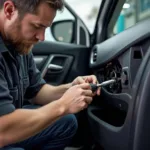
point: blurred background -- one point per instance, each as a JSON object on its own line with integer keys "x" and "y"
{"x": 132, "y": 12}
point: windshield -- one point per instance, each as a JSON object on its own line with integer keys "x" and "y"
{"x": 87, "y": 10}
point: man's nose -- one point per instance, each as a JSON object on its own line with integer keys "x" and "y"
{"x": 40, "y": 36}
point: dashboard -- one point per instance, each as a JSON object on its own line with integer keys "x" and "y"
{"x": 123, "y": 67}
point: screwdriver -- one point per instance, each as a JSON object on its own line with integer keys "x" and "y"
{"x": 94, "y": 87}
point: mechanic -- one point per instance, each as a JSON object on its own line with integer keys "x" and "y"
{"x": 48, "y": 123}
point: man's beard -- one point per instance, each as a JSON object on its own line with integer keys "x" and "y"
{"x": 13, "y": 39}
{"x": 23, "y": 47}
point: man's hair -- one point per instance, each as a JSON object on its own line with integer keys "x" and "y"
{"x": 30, "y": 6}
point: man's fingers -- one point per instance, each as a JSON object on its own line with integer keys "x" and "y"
{"x": 80, "y": 80}
{"x": 94, "y": 79}
{"x": 87, "y": 93}
{"x": 99, "y": 91}
{"x": 88, "y": 100}
{"x": 90, "y": 79}
{"x": 85, "y": 105}
{"x": 85, "y": 86}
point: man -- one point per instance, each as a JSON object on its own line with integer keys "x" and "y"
{"x": 50, "y": 127}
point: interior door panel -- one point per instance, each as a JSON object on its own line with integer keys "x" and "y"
{"x": 61, "y": 62}
{"x": 39, "y": 60}
{"x": 120, "y": 57}
{"x": 56, "y": 68}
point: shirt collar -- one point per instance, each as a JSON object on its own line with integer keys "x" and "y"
{"x": 3, "y": 47}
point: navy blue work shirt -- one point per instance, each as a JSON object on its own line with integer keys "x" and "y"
{"x": 19, "y": 79}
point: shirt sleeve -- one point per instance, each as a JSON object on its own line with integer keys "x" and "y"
{"x": 6, "y": 100}
{"x": 35, "y": 79}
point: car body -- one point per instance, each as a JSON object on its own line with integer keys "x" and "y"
{"x": 119, "y": 118}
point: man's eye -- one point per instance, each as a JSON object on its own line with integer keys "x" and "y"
{"x": 36, "y": 27}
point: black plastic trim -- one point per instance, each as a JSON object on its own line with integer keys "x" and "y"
{"x": 118, "y": 44}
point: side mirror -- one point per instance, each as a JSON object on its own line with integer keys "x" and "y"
{"x": 63, "y": 31}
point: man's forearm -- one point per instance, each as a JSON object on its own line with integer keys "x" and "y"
{"x": 24, "y": 123}
{"x": 50, "y": 93}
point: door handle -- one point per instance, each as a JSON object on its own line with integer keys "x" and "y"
{"x": 55, "y": 67}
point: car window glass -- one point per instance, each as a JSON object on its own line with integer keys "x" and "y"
{"x": 133, "y": 11}
{"x": 87, "y": 10}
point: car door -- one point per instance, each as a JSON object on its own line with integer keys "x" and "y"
{"x": 115, "y": 118}
{"x": 119, "y": 117}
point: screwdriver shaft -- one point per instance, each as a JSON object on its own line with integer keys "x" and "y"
{"x": 106, "y": 83}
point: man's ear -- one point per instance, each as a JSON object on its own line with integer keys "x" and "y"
{"x": 9, "y": 9}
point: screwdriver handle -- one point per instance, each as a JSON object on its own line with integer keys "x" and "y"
{"x": 94, "y": 87}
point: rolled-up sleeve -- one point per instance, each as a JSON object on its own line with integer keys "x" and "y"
{"x": 6, "y": 100}
{"x": 35, "y": 79}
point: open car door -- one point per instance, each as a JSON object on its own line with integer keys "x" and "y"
{"x": 118, "y": 119}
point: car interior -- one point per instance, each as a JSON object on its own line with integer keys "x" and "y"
{"x": 118, "y": 119}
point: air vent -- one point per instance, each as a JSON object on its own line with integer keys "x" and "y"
{"x": 94, "y": 55}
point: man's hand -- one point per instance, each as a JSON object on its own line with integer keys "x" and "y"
{"x": 87, "y": 79}
{"x": 76, "y": 98}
